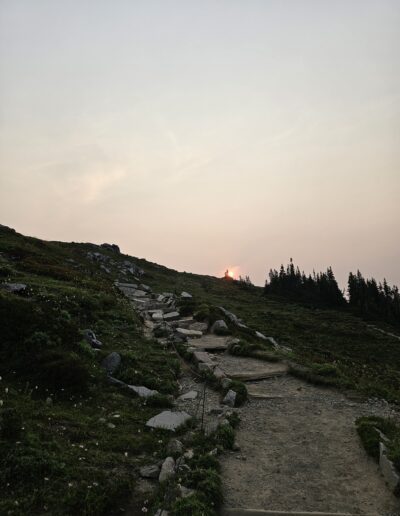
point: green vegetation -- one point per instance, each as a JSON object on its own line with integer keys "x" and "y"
{"x": 71, "y": 443}
{"x": 368, "y": 429}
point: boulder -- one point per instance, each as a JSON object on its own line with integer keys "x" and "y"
{"x": 169, "y": 420}
{"x": 167, "y": 469}
{"x": 151, "y": 471}
{"x": 143, "y": 392}
{"x": 229, "y": 398}
{"x": 174, "y": 447}
{"x": 186, "y": 295}
{"x": 171, "y": 316}
{"x": 184, "y": 492}
{"x": 92, "y": 339}
{"x": 157, "y": 316}
{"x": 199, "y": 326}
{"x": 261, "y": 335}
{"x": 190, "y": 395}
{"x": 191, "y": 334}
{"x": 14, "y": 288}
{"x": 111, "y": 362}
{"x": 220, "y": 328}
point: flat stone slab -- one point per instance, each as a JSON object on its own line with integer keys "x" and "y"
{"x": 168, "y": 420}
{"x": 190, "y": 395}
{"x": 191, "y": 334}
{"x": 171, "y": 316}
{"x": 211, "y": 343}
{"x": 247, "y": 369}
{"x": 142, "y": 392}
{"x": 138, "y": 293}
{"x": 201, "y": 357}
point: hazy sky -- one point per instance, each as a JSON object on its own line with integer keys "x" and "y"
{"x": 206, "y": 134}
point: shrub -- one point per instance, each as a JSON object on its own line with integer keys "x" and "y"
{"x": 202, "y": 313}
{"x": 241, "y": 391}
{"x": 193, "y": 505}
{"x": 10, "y": 423}
{"x": 59, "y": 370}
{"x": 225, "y": 436}
{"x": 325, "y": 369}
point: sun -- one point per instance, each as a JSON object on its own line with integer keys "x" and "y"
{"x": 230, "y": 274}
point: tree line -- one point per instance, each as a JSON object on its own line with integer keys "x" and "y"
{"x": 366, "y": 297}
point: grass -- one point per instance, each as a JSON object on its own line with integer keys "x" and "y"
{"x": 367, "y": 428}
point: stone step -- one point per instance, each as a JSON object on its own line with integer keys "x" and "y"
{"x": 262, "y": 512}
{"x": 259, "y": 375}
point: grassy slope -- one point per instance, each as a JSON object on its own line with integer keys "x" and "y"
{"x": 66, "y": 459}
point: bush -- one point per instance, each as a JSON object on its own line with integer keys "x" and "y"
{"x": 58, "y": 370}
{"x": 225, "y": 436}
{"x": 325, "y": 369}
{"x": 202, "y": 313}
{"x": 10, "y": 423}
{"x": 191, "y": 506}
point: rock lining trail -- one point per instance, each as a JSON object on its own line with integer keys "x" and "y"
{"x": 298, "y": 450}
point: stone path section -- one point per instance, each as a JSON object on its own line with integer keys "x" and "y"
{"x": 300, "y": 451}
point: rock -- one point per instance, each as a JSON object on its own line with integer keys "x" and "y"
{"x": 186, "y": 295}
{"x": 225, "y": 383}
{"x": 14, "y": 288}
{"x": 220, "y": 328}
{"x": 231, "y": 316}
{"x": 184, "y": 492}
{"x": 213, "y": 452}
{"x": 138, "y": 293}
{"x": 111, "y": 425}
{"x": 205, "y": 368}
{"x": 143, "y": 392}
{"x": 49, "y": 401}
{"x": 191, "y": 395}
{"x": 171, "y": 316}
{"x": 235, "y": 446}
{"x": 97, "y": 257}
{"x": 261, "y": 335}
{"x": 218, "y": 374}
{"x": 189, "y": 454}
{"x": 146, "y": 288}
{"x": 157, "y": 316}
{"x": 202, "y": 357}
{"x": 169, "y": 420}
{"x": 92, "y": 339}
{"x": 230, "y": 398}
{"x": 111, "y": 247}
{"x": 192, "y": 334}
{"x": 151, "y": 471}
{"x": 174, "y": 447}
{"x": 111, "y": 362}
{"x": 199, "y": 326}
{"x": 388, "y": 469}
{"x": 167, "y": 469}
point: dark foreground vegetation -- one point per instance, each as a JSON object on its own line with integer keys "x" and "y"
{"x": 71, "y": 442}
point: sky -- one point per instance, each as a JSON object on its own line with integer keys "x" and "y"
{"x": 206, "y": 135}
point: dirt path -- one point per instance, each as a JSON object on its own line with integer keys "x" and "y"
{"x": 300, "y": 451}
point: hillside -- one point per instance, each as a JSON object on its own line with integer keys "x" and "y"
{"x": 72, "y": 442}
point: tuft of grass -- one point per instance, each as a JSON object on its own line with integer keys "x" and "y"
{"x": 241, "y": 392}
{"x": 367, "y": 430}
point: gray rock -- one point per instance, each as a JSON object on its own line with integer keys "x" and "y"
{"x": 157, "y": 316}
{"x": 111, "y": 362}
{"x": 142, "y": 392}
{"x": 92, "y": 339}
{"x": 169, "y": 420}
{"x": 167, "y": 469}
{"x": 191, "y": 395}
{"x": 171, "y": 316}
{"x": 219, "y": 374}
{"x": 220, "y": 328}
{"x": 261, "y": 335}
{"x": 199, "y": 326}
{"x": 138, "y": 293}
{"x": 230, "y": 398}
{"x": 146, "y": 288}
{"x": 191, "y": 334}
{"x": 151, "y": 471}
{"x": 186, "y": 295}
{"x": 202, "y": 357}
{"x": 14, "y": 288}
{"x": 174, "y": 447}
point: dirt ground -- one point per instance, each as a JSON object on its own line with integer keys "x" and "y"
{"x": 299, "y": 450}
